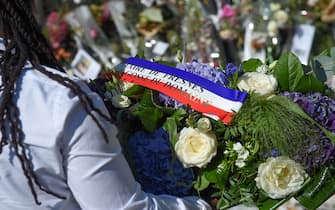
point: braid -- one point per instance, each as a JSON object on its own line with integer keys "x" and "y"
{"x": 28, "y": 43}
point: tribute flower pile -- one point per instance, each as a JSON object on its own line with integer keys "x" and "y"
{"x": 278, "y": 145}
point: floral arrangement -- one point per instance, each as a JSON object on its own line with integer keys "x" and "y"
{"x": 231, "y": 17}
{"x": 59, "y": 33}
{"x": 227, "y": 21}
{"x": 279, "y": 145}
{"x": 279, "y": 19}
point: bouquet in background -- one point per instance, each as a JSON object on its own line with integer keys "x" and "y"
{"x": 277, "y": 145}
{"x": 59, "y": 33}
{"x": 231, "y": 19}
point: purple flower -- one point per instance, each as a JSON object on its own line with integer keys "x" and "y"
{"x": 321, "y": 109}
{"x": 205, "y": 71}
{"x": 272, "y": 153}
{"x": 231, "y": 69}
{"x": 275, "y": 153}
{"x": 155, "y": 167}
{"x": 168, "y": 101}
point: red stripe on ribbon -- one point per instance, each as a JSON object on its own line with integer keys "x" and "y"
{"x": 183, "y": 97}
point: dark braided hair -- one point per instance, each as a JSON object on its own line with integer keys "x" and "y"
{"x": 24, "y": 42}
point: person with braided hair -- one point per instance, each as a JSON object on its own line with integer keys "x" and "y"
{"x": 58, "y": 145}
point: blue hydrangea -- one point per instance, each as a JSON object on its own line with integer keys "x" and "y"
{"x": 155, "y": 168}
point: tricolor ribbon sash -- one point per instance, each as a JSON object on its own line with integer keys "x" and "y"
{"x": 202, "y": 95}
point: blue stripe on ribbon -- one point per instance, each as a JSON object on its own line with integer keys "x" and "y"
{"x": 220, "y": 90}
{"x": 28, "y": 68}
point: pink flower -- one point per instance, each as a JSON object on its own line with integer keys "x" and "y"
{"x": 57, "y": 29}
{"x": 227, "y": 12}
{"x": 94, "y": 33}
{"x": 52, "y": 18}
{"x": 106, "y": 15}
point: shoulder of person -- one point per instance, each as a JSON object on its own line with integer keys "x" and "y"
{"x": 40, "y": 80}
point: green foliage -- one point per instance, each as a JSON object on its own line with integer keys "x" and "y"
{"x": 171, "y": 124}
{"x": 134, "y": 91}
{"x": 265, "y": 203}
{"x": 291, "y": 76}
{"x": 288, "y": 72}
{"x": 251, "y": 64}
{"x": 240, "y": 190}
{"x": 150, "y": 115}
{"x": 260, "y": 126}
{"x": 318, "y": 190}
{"x": 265, "y": 122}
{"x": 201, "y": 183}
{"x": 309, "y": 83}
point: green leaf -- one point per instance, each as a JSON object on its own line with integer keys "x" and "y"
{"x": 318, "y": 190}
{"x": 150, "y": 117}
{"x": 223, "y": 171}
{"x": 270, "y": 204}
{"x": 211, "y": 176}
{"x": 170, "y": 126}
{"x": 217, "y": 174}
{"x": 180, "y": 114}
{"x": 201, "y": 183}
{"x": 318, "y": 70}
{"x": 147, "y": 99}
{"x": 166, "y": 63}
{"x": 288, "y": 72}
{"x": 134, "y": 91}
{"x": 308, "y": 83}
{"x": 251, "y": 64}
{"x": 110, "y": 86}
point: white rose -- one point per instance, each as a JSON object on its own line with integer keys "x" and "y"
{"x": 272, "y": 28}
{"x": 280, "y": 176}
{"x": 275, "y": 6}
{"x": 195, "y": 148}
{"x": 204, "y": 124}
{"x": 120, "y": 101}
{"x": 262, "y": 84}
{"x": 281, "y": 16}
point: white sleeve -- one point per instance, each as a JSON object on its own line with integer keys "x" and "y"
{"x": 98, "y": 174}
